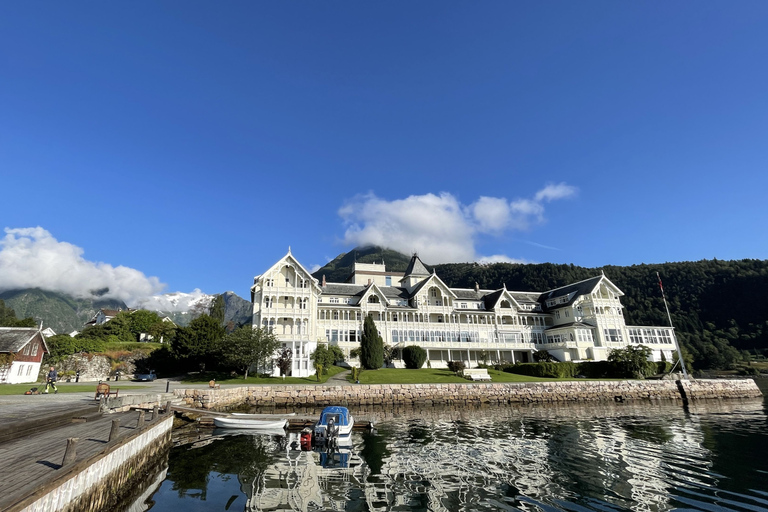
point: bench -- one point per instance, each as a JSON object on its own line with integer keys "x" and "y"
{"x": 104, "y": 390}
{"x": 476, "y": 374}
{"x": 212, "y": 384}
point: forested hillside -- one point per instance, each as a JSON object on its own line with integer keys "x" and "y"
{"x": 717, "y": 306}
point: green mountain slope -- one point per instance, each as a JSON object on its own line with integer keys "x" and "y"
{"x": 340, "y": 268}
{"x": 60, "y": 312}
{"x": 717, "y": 306}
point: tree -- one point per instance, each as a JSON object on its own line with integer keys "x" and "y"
{"x": 247, "y": 347}
{"x": 285, "y": 361}
{"x": 632, "y": 361}
{"x": 326, "y": 356}
{"x": 198, "y": 342}
{"x": 141, "y": 321}
{"x": 216, "y": 310}
{"x": 8, "y": 317}
{"x": 414, "y": 356}
{"x": 162, "y": 332}
{"x": 371, "y": 346}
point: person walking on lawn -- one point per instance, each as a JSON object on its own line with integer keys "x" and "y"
{"x": 51, "y": 380}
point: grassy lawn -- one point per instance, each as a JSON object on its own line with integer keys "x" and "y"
{"x": 64, "y": 387}
{"x": 433, "y": 376}
{"x": 226, "y": 379}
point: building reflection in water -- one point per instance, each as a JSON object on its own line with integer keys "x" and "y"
{"x": 647, "y": 457}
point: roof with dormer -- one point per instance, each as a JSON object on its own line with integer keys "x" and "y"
{"x": 14, "y": 339}
{"x": 574, "y": 291}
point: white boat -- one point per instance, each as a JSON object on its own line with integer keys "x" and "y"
{"x": 335, "y": 424}
{"x": 249, "y": 423}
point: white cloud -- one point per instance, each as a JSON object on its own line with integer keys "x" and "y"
{"x": 500, "y": 258}
{"x": 33, "y": 258}
{"x": 439, "y": 227}
{"x": 555, "y": 191}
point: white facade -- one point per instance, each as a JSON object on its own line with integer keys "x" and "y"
{"x": 577, "y": 322}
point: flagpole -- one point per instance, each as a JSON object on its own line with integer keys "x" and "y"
{"x": 674, "y": 335}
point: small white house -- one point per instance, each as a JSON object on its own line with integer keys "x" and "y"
{"x": 24, "y": 346}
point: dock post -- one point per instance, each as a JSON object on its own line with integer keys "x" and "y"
{"x": 140, "y": 423}
{"x": 71, "y": 452}
{"x": 115, "y": 431}
{"x": 167, "y": 407}
{"x": 154, "y": 412}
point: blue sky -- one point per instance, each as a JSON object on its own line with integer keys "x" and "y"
{"x": 193, "y": 142}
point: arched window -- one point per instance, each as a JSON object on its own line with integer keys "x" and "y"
{"x": 505, "y": 304}
{"x": 373, "y": 299}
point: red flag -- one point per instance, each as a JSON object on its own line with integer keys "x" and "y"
{"x": 660, "y": 286}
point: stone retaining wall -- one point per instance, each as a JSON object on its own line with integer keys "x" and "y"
{"x": 476, "y": 393}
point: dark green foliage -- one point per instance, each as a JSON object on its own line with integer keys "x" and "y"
{"x": 243, "y": 348}
{"x": 414, "y": 357}
{"x": 371, "y": 346}
{"x": 62, "y": 345}
{"x": 456, "y": 366}
{"x": 542, "y": 356}
{"x": 285, "y": 361}
{"x": 544, "y": 370}
{"x": 195, "y": 345}
{"x": 632, "y": 362}
{"x": 217, "y": 309}
{"x": 141, "y": 321}
{"x": 8, "y": 318}
{"x": 326, "y": 356}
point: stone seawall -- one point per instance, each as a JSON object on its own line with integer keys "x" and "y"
{"x": 96, "y": 483}
{"x": 456, "y": 394}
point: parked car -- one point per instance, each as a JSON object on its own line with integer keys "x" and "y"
{"x": 145, "y": 376}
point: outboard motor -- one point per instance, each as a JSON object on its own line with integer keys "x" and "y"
{"x": 306, "y": 440}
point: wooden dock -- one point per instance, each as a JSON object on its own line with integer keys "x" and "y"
{"x": 29, "y": 463}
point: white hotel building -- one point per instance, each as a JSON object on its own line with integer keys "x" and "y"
{"x": 577, "y": 322}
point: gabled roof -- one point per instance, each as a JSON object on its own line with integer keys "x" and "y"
{"x": 416, "y": 267}
{"x": 373, "y": 289}
{"x": 288, "y": 257}
{"x": 13, "y": 339}
{"x": 574, "y": 291}
{"x": 432, "y": 278}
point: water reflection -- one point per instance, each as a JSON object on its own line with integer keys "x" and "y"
{"x": 647, "y": 457}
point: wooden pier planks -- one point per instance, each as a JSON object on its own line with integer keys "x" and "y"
{"x": 29, "y": 462}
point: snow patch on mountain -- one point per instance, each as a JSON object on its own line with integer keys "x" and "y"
{"x": 177, "y": 302}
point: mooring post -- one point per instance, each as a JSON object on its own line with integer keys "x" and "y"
{"x": 167, "y": 386}
{"x": 140, "y": 423}
{"x": 167, "y": 407}
{"x": 154, "y": 412}
{"x": 71, "y": 452}
{"x": 115, "y": 431}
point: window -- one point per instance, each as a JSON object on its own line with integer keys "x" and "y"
{"x": 268, "y": 302}
{"x": 29, "y": 370}
{"x": 613, "y": 335}
{"x": 303, "y": 304}
{"x": 557, "y": 314}
{"x": 463, "y": 305}
{"x": 334, "y": 300}
{"x": 373, "y": 299}
{"x": 35, "y": 348}
{"x": 335, "y": 315}
{"x": 567, "y": 314}
{"x": 388, "y": 281}
{"x": 394, "y": 317}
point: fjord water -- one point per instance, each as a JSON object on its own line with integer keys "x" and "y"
{"x": 710, "y": 456}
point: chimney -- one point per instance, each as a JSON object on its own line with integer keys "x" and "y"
{"x": 323, "y": 280}
{"x": 477, "y": 287}
{"x": 369, "y": 282}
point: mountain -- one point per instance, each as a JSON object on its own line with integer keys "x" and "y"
{"x": 340, "y": 268}
{"x": 183, "y": 307}
{"x": 58, "y": 311}
{"x": 65, "y": 314}
{"x": 716, "y": 306}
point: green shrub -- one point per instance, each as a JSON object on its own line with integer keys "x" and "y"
{"x": 456, "y": 366}
{"x": 414, "y": 356}
{"x": 545, "y": 370}
{"x": 596, "y": 369}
